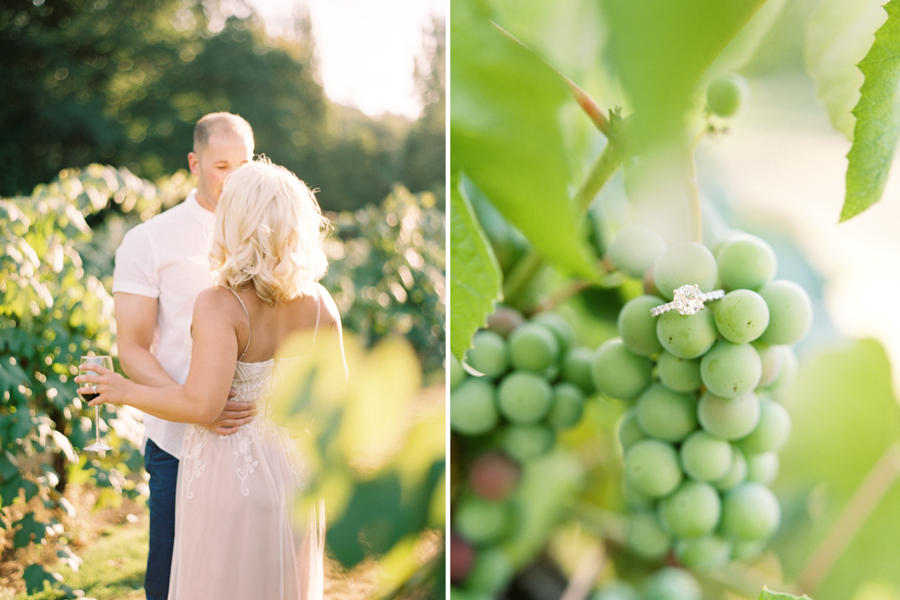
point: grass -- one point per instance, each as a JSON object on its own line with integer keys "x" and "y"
{"x": 111, "y": 539}
{"x": 114, "y": 565}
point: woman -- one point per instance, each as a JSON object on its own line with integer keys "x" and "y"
{"x": 232, "y": 529}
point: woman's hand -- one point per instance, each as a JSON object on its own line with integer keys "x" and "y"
{"x": 111, "y": 387}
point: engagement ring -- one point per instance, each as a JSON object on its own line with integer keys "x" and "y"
{"x": 688, "y": 300}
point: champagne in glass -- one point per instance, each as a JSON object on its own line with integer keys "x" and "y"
{"x": 103, "y": 361}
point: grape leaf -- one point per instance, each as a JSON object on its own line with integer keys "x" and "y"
{"x": 877, "y": 118}
{"x": 35, "y": 576}
{"x": 28, "y": 526}
{"x": 833, "y": 446}
{"x": 767, "y": 595}
{"x": 505, "y": 134}
{"x": 475, "y": 279}
{"x": 838, "y": 35}
{"x": 661, "y": 49}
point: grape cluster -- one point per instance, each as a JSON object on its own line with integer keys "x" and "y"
{"x": 533, "y": 383}
{"x": 702, "y": 431}
{"x": 668, "y": 583}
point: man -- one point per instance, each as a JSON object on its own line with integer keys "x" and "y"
{"x": 160, "y": 269}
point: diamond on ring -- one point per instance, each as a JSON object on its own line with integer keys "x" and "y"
{"x": 688, "y": 300}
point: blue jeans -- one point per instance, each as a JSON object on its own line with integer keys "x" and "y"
{"x": 163, "y": 470}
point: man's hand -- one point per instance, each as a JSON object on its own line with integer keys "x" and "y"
{"x": 233, "y": 416}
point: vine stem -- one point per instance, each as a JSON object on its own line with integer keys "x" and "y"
{"x": 587, "y": 104}
{"x": 876, "y": 484}
{"x": 586, "y": 572}
{"x": 693, "y": 193}
{"x": 603, "y": 167}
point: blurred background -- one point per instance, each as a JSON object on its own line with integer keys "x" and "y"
{"x": 776, "y": 170}
{"x": 98, "y": 104}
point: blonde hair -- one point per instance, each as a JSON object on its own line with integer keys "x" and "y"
{"x": 269, "y": 232}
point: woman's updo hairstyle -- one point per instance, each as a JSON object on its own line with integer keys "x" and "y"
{"x": 269, "y": 232}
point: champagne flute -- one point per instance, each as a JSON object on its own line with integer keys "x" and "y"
{"x": 103, "y": 361}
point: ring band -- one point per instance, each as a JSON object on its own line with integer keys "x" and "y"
{"x": 688, "y": 300}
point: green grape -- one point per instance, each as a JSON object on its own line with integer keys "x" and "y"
{"x": 707, "y": 552}
{"x": 763, "y": 468}
{"x": 666, "y": 414}
{"x": 651, "y": 467}
{"x": 645, "y": 537}
{"x": 705, "y": 457}
{"x": 772, "y": 431}
{"x": 457, "y": 373}
{"x": 637, "y": 500}
{"x": 728, "y": 418}
{"x": 616, "y": 590}
{"x": 524, "y": 397}
{"x": 687, "y": 336}
{"x": 473, "y": 407}
{"x": 576, "y": 368}
{"x": 504, "y": 320}
{"x": 481, "y": 521}
{"x": 790, "y": 312}
{"x": 772, "y": 358}
{"x": 750, "y": 512}
{"x": 556, "y": 323}
{"x": 746, "y": 261}
{"x": 679, "y": 374}
{"x": 488, "y": 354}
{"x": 568, "y": 406}
{"x": 637, "y": 327}
{"x": 725, "y": 95}
{"x": 618, "y": 372}
{"x": 629, "y": 430}
{"x": 670, "y": 583}
{"x": 742, "y": 316}
{"x": 736, "y": 476}
{"x": 789, "y": 367}
{"x": 635, "y": 249}
{"x": 525, "y": 442}
{"x": 533, "y": 347}
{"x": 693, "y": 510}
{"x": 685, "y": 264}
{"x": 729, "y": 370}
{"x": 748, "y": 550}
{"x": 491, "y": 572}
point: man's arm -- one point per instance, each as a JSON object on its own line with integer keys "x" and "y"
{"x": 135, "y": 325}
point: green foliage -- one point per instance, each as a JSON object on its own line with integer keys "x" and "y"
{"x": 820, "y": 478}
{"x": 768, "y": 595}
{"x": 832, "y": 48}
{"x": 377, "y": 446}
{"x": 475, "y": 274}
{"x": 505, "y": 135}
{"x": 660, "y": 55}
{"x": 52, "y": 312}
{"x": 124, "y": 82}
{"x": 425, "y": 153}
{"x": 387, "y": 272}
{"x": 877, "y": 118}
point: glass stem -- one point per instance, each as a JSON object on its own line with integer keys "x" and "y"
{"x": 97, "y": 421}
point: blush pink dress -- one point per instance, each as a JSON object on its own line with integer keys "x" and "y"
{"x": 234, "y": 536}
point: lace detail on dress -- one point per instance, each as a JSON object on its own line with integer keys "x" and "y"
{"x": 243, "y": 442}
{"x": 194, "y": 440}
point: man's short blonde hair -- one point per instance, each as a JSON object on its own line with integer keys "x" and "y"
{"x": 221, "y": 121}
{"x": 269, "y": 233}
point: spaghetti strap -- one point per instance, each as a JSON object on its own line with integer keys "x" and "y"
{"x": 244, "y": 306}
{"x": 318, "y": 314}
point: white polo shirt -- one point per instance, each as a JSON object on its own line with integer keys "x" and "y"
{"x": 168, "y": 258}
